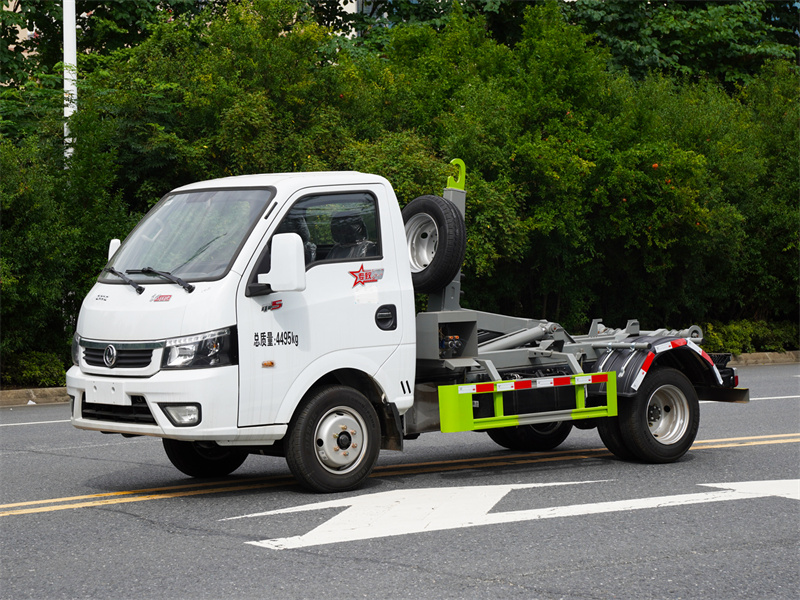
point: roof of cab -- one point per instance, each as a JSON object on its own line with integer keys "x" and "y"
{"x": 293, "y": 180}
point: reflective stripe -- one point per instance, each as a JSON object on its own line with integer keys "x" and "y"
{"x": 670, "y": 346}
{"x": 646, "y": 366}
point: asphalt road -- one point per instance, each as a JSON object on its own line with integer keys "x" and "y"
{"x": 84, "y": 515}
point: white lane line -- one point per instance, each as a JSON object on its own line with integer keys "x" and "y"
{"x": 751, "y": 399}
{"x": 33, "y": 423}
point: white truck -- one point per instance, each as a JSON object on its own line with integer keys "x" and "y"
{"x": 275, "y": 314}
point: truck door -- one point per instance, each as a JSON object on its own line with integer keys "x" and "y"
{"x": 345, "y": 318}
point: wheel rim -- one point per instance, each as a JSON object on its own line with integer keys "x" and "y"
{"x": 668, "y": 414}
{"x": 423, "y": 239}
{"x": 340, "y": 440}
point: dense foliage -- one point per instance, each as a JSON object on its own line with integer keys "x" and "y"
{"x": 726, "y": 39}
{"x": 666, "y": 197}
{"x": 104, "y": 25}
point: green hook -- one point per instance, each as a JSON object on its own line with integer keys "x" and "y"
{"x": 462, "y": 173}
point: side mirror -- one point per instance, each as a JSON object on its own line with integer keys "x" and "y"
{"x": 113, "y": 246}
{"x": 287, "y": 272}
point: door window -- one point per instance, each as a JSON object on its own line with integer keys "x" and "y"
{"x": 335, "y": 227}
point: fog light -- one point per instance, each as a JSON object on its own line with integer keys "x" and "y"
{"x": 182, "y": 415}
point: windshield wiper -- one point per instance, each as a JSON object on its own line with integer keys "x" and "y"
{"x": 201, "y": 250}
{"x": 139, "y": 289}
{"x": 166, "y": 275}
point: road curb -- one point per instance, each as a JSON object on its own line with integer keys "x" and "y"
{"x": 33, "y": 396}
{"x": 765, "y": 358}
{"x": 59, "y": 395}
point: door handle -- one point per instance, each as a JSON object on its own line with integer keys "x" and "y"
{"x": 386, "y": 317}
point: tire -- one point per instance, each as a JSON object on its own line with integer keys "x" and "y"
{"x": 437, "y": 241}
{"x": 611, "y": 436}
{"x": 532, "y": 438}
{"x": 204, "y": 459}
{"x": 660, "y": 424}
{"x": 334, "y": 440}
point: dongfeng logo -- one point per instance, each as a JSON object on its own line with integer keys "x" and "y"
{"x": 110, "y": 356}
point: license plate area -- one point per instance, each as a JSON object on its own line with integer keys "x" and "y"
{"x": 107, "y": 392}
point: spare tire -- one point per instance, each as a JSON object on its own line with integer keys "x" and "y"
{"x": 437, "y": 241}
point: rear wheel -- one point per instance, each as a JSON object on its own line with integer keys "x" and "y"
{"x": 204, "y": 459}
{"x": 660, "y": 424}
{"x": 611, "y": 436}
{"x": 531, "y": 438}
{"x": 334, "y": 440}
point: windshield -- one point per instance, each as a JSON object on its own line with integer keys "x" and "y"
{"x": 192, "y": 235}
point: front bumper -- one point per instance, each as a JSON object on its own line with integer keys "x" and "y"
{"x": 132, "y": 406}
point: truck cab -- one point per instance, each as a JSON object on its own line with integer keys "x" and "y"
{"x": 233, "y": 298}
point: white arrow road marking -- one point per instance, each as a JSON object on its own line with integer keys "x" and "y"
{"x": 401, "y": 512}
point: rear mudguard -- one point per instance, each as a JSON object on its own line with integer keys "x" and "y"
{"x": 632, "y": 365}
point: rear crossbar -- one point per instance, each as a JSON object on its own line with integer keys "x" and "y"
{"x": 457, "y": 403}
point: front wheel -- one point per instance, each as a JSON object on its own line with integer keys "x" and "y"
{"x": 204, "y": 459}
{"x": 334, "y": 440}
{"x": 660, "y": 424}
{"x": 531, "y": 438}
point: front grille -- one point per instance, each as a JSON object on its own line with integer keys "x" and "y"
{"x": 137, "y": 412}
{"x": 126, "y": 358}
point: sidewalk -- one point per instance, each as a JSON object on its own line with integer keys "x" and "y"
{"x": 59, "y": 395}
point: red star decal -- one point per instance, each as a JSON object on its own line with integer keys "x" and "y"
{"x": 362, "y": 276}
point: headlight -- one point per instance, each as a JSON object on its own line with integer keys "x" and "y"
{"x": 212, "y": 349}
{"x": 76, "y": 349}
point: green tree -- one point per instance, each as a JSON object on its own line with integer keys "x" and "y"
{"x": 56, "y": 223}
{"x": 590, "y": 192}
{"x": 104, "y": 26}
{"x": 726, "y": 40}
{"x": 37, "y": 242}
{"x": 768, "y": 263}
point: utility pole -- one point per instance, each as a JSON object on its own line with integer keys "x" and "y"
{"x": 70, "y": 72}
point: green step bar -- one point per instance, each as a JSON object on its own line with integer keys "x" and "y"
{"x": 456, "y": 401}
